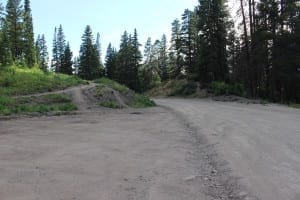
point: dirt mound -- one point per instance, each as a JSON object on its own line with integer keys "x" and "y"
{"x": 113, "y": 97}
{"x": 109, "y": 97}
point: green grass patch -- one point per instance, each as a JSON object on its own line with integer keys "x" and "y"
{"x": 42, "y": 104}
{"x": 113, "y": 84}
{"x": 141, "y": 101}
{"x": 111, "y": 104}
{"x": 22, "y": 81}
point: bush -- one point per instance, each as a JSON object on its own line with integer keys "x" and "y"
{"x": 141, "y": 101}
{"x": 222, "y": 88}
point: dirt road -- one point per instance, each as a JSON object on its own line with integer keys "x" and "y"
{"x": 260, "y": 143}
{"x": 163, "y": 153}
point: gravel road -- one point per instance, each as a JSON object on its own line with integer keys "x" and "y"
{"x": 181, "y": 150}
{"x": 260, "y": 143}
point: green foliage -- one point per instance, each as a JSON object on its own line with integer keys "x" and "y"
{"x": 21, "y": 81}
{"x": 111, "y": 62}
{"x": 221, "y": 88}
{"x": 170, "y": 88}
{"x": 41, "y": 104}
{"x": 28, "y": 36}
{"x": 89, "y": 64}
{"x": 113, "y": 84}
{"x": 66, "y": 61}
{"x": 42, "y": 53}
{"x": 212, "y": 58}
{"x": 14, "y": 29}
{"x": 141, "y": 101}
{"x": 128, "y": 61}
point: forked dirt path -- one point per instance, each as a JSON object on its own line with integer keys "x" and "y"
{"x": 185, "y": 150}
{"x": 81, "y": 100}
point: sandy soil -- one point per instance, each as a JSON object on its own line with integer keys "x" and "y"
{"x": 185, "y": 150}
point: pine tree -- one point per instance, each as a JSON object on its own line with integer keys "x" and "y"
{"x": 212, "y": 25}
{"x": 61, "y": 47}
{"x": 163, "y": 59}
{"x": 66, "y": 61}
{"x": 110, "y": 62}
{"x": 151, "y": 67}
{"x": 14, "y": 29}
{"x": 42, "y": 53}
{"x": 176, "y": 47}
{"x": 147, "y": 51}
{"x": 188, "y": 40}
{"x": 123, "y": 59}
{"x": 135, "y": 65}
{"x": 55, "y": 55}
{"x": 28, "y": 35}
{"x": 5, "y": 52}
{"x": 89, "y": 65}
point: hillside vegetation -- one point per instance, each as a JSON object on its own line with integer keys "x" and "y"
{"x": 16, "y": 81}
{"x": 22, "y": 81}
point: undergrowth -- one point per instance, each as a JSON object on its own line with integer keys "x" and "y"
{"x": 22, "y": 81}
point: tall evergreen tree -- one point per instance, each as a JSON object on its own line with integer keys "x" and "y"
{"x": 212, "y": 25}
{"x": 124, "y": 58}
{"x": 135, "y": 65}
{"x": 28, "y": 36}
{"x": 89, "y": 65}
{"x": 61, "y": 47}
{"x": 111, "y": 62}
{"x": 176, "y": 47}
{"x": 55, "y": 55}
{"x": 42, "y": 53}
{"x": 163, "y": 59}
{"x": 152, "y": 64}
{"x": 14, "y": 28}
{"x": 148, "y": 50}
{"x": 66, "y": 61}
{"x": 188, "y": 40}
{"x": 5, "y": 51}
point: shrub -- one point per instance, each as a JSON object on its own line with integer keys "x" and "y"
{"x": 141, "y": 101}
{"x": 222, "y": 88}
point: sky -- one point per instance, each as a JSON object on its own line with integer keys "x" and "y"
{"x": 151, "y": 18}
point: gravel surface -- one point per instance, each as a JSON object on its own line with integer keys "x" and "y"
{"x": 261, "y": 144}
{"x": 183, "y": 149}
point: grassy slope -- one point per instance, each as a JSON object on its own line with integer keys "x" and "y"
{"x": 21, "y": 81}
